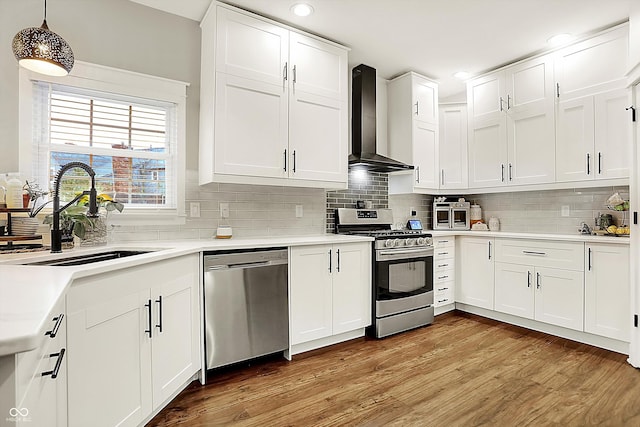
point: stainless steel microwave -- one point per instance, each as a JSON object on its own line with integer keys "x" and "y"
{"x": 451, "y": 215}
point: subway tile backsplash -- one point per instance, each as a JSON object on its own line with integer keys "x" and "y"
{"x": 261, "y": 211}
{"x": 541, "y": 211}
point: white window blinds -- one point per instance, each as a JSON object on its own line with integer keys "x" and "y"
{"x": 131, "y": 143}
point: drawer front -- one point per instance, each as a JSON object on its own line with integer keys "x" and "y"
{"x": 541, "y": 253}
{"x": 444, "y": 242}
{"x": 443, "y": 264}
{"x": 444, "y": 276}
{"x": 444, "y": 288}
{"x": 443, "y": 253}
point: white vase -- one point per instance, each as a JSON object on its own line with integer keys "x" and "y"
{"x": 24, "y": 226}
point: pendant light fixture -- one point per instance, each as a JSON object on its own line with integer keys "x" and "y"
{"x": 43, "y": 51}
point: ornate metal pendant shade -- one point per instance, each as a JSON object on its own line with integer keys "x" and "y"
{"x": 43, "y": 51}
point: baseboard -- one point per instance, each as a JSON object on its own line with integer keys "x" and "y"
{"x": 583, "y": 337}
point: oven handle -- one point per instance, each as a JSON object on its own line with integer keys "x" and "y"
{"x": 408, "y": 254}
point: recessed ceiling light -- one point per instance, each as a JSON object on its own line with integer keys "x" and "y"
{"x": 302, "y": 9}
{"x": 559, "y": 39}
{"x": 462, "y": 75}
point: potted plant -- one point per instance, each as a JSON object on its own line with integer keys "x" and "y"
{"x": 28, "y": 226}
{"x": 90, "y": 231}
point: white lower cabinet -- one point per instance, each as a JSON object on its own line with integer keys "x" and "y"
{"x": 548, "y": 288}
{"x": 330, "y": 290}
{"x": 134, "y": 341}
{"x": 475, "y": 267}
{"x": 444, "y": 273}
{"x": 607, "y": 308}
{"x": 33, "y": 384}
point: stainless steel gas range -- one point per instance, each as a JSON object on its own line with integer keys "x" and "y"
{"x": 402, "y": 270}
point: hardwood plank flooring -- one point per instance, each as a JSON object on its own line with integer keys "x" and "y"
{"x": 464, "y": 370}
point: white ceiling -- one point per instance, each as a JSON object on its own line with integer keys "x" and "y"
{"x": 432, "y": 37}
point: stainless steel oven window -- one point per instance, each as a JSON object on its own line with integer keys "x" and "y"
{"x": 442, "y": 218}
{"x": 460, "y": 218}
{"x": 406, "y": 277}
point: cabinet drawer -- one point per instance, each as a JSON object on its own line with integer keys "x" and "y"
{"x": 443, "y": 242}
{"x": 439, "y": 301}
{"x": 443, "y": 253}
{"x": 444, "y": 276}
{"x": 443, "y": 264}
{"x": 444, "y": 288}
{"x": 541, "y": 253}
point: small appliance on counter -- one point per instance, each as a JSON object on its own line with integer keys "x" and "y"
{"x": 451, "y": 214}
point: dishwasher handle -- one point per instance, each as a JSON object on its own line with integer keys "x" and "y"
{"x": 245, "y": 265}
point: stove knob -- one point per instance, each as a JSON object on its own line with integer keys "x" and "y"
{"x": 397, "y": 242}
{"x": 421, "y": 241}
{"x": 410, "y": 242}
{"x": 429, "y": 241}
{"x": 389, "y": 243}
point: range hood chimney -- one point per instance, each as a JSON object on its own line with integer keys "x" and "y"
{"x": 363, "y": 130}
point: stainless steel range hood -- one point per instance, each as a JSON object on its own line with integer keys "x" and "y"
{"x": 363, "y": 130}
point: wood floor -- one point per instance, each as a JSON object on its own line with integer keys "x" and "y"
{"x": 464, "y": 370}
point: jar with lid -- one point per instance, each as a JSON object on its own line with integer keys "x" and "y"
{"x": 14, "y": 193}
{"x": 475, "y": 214}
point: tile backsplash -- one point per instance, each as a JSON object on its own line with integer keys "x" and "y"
{"x": 254, "y": 211}
{"x": 261, "y": 211}
{"x": 371, "y": 186}
{"x": 541, "y": 211}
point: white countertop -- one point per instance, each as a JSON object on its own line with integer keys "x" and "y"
{"x": 586, "y": 238}
{"x": 28, "y": 293}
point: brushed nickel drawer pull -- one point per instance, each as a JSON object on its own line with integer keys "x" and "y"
{"x": 534, "y": 253}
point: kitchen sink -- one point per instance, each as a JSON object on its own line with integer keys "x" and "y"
{"x": 88, "y": 258}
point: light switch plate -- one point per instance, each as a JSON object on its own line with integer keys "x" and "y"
{"x": 194, "y": 209}
{"x": 299, "y": 211}
{"x": 565, "y": 211}
{"x": 224, "y": 210}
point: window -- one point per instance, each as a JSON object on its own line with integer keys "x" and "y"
{"x": 119, "y": 123}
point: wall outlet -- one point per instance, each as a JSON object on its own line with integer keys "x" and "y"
{"x": 565, "y": 211}
{"x": 224, "y": 210}
{"x": 194, "y": 209}
{"x": 299, "y": 211}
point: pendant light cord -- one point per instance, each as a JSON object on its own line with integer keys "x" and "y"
{"x": 45, "y": 10}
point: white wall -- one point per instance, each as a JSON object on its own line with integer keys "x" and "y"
{"x": 115, "y": 33}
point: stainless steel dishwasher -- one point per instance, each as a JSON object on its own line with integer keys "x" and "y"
{"x": 245, "y": 305}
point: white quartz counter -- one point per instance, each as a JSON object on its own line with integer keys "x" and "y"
{"x": 621, "y": 240}
{"x": 28, "y": 293}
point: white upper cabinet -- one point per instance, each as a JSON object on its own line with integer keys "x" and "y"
{"x": 592, "y": 131}
{"x": 413, "y": 132}
{"x": 511, "y": 125}
{"x": 273, "y": 104}
{"x": 453, "y": 146}
{"x": 250, "y": 48}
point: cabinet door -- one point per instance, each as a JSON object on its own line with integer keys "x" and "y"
{"x": 592, "y": 66}
{"x": 109, "y": 374}
{"x": 251, "y": 48}
{"x": 425, "y": 154}
{"x": 351, "y": 287}
{"x": 612, "y": 134}
{"x": 574, "y": 140}
{"x": 559, "y": 297}
{"x": 514, "y": 289}
{"x": 175, "y": 351}
{"x": 425, "y": 100}
{"x": 318, "y": 68}
{"x": 487, "y": 153}
{"x": 453, "y": 147}
{"x": 251, "y": 127}
{"x": 311, "y": 292}
{"x": 318, "y": 138}
{"x": 476, "y": 272}
{"x": 606, "y": 293}
{"x": 485, "y": 98}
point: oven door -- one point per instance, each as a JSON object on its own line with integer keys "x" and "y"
{"x": 441, "y": 218}
{"x": 460, "y": 219}
{"x": 403, "y": 273}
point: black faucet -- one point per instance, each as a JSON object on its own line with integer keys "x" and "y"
{"x": 56, "y": 234}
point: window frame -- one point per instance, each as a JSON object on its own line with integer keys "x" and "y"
{"x": 128, "y": 83}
